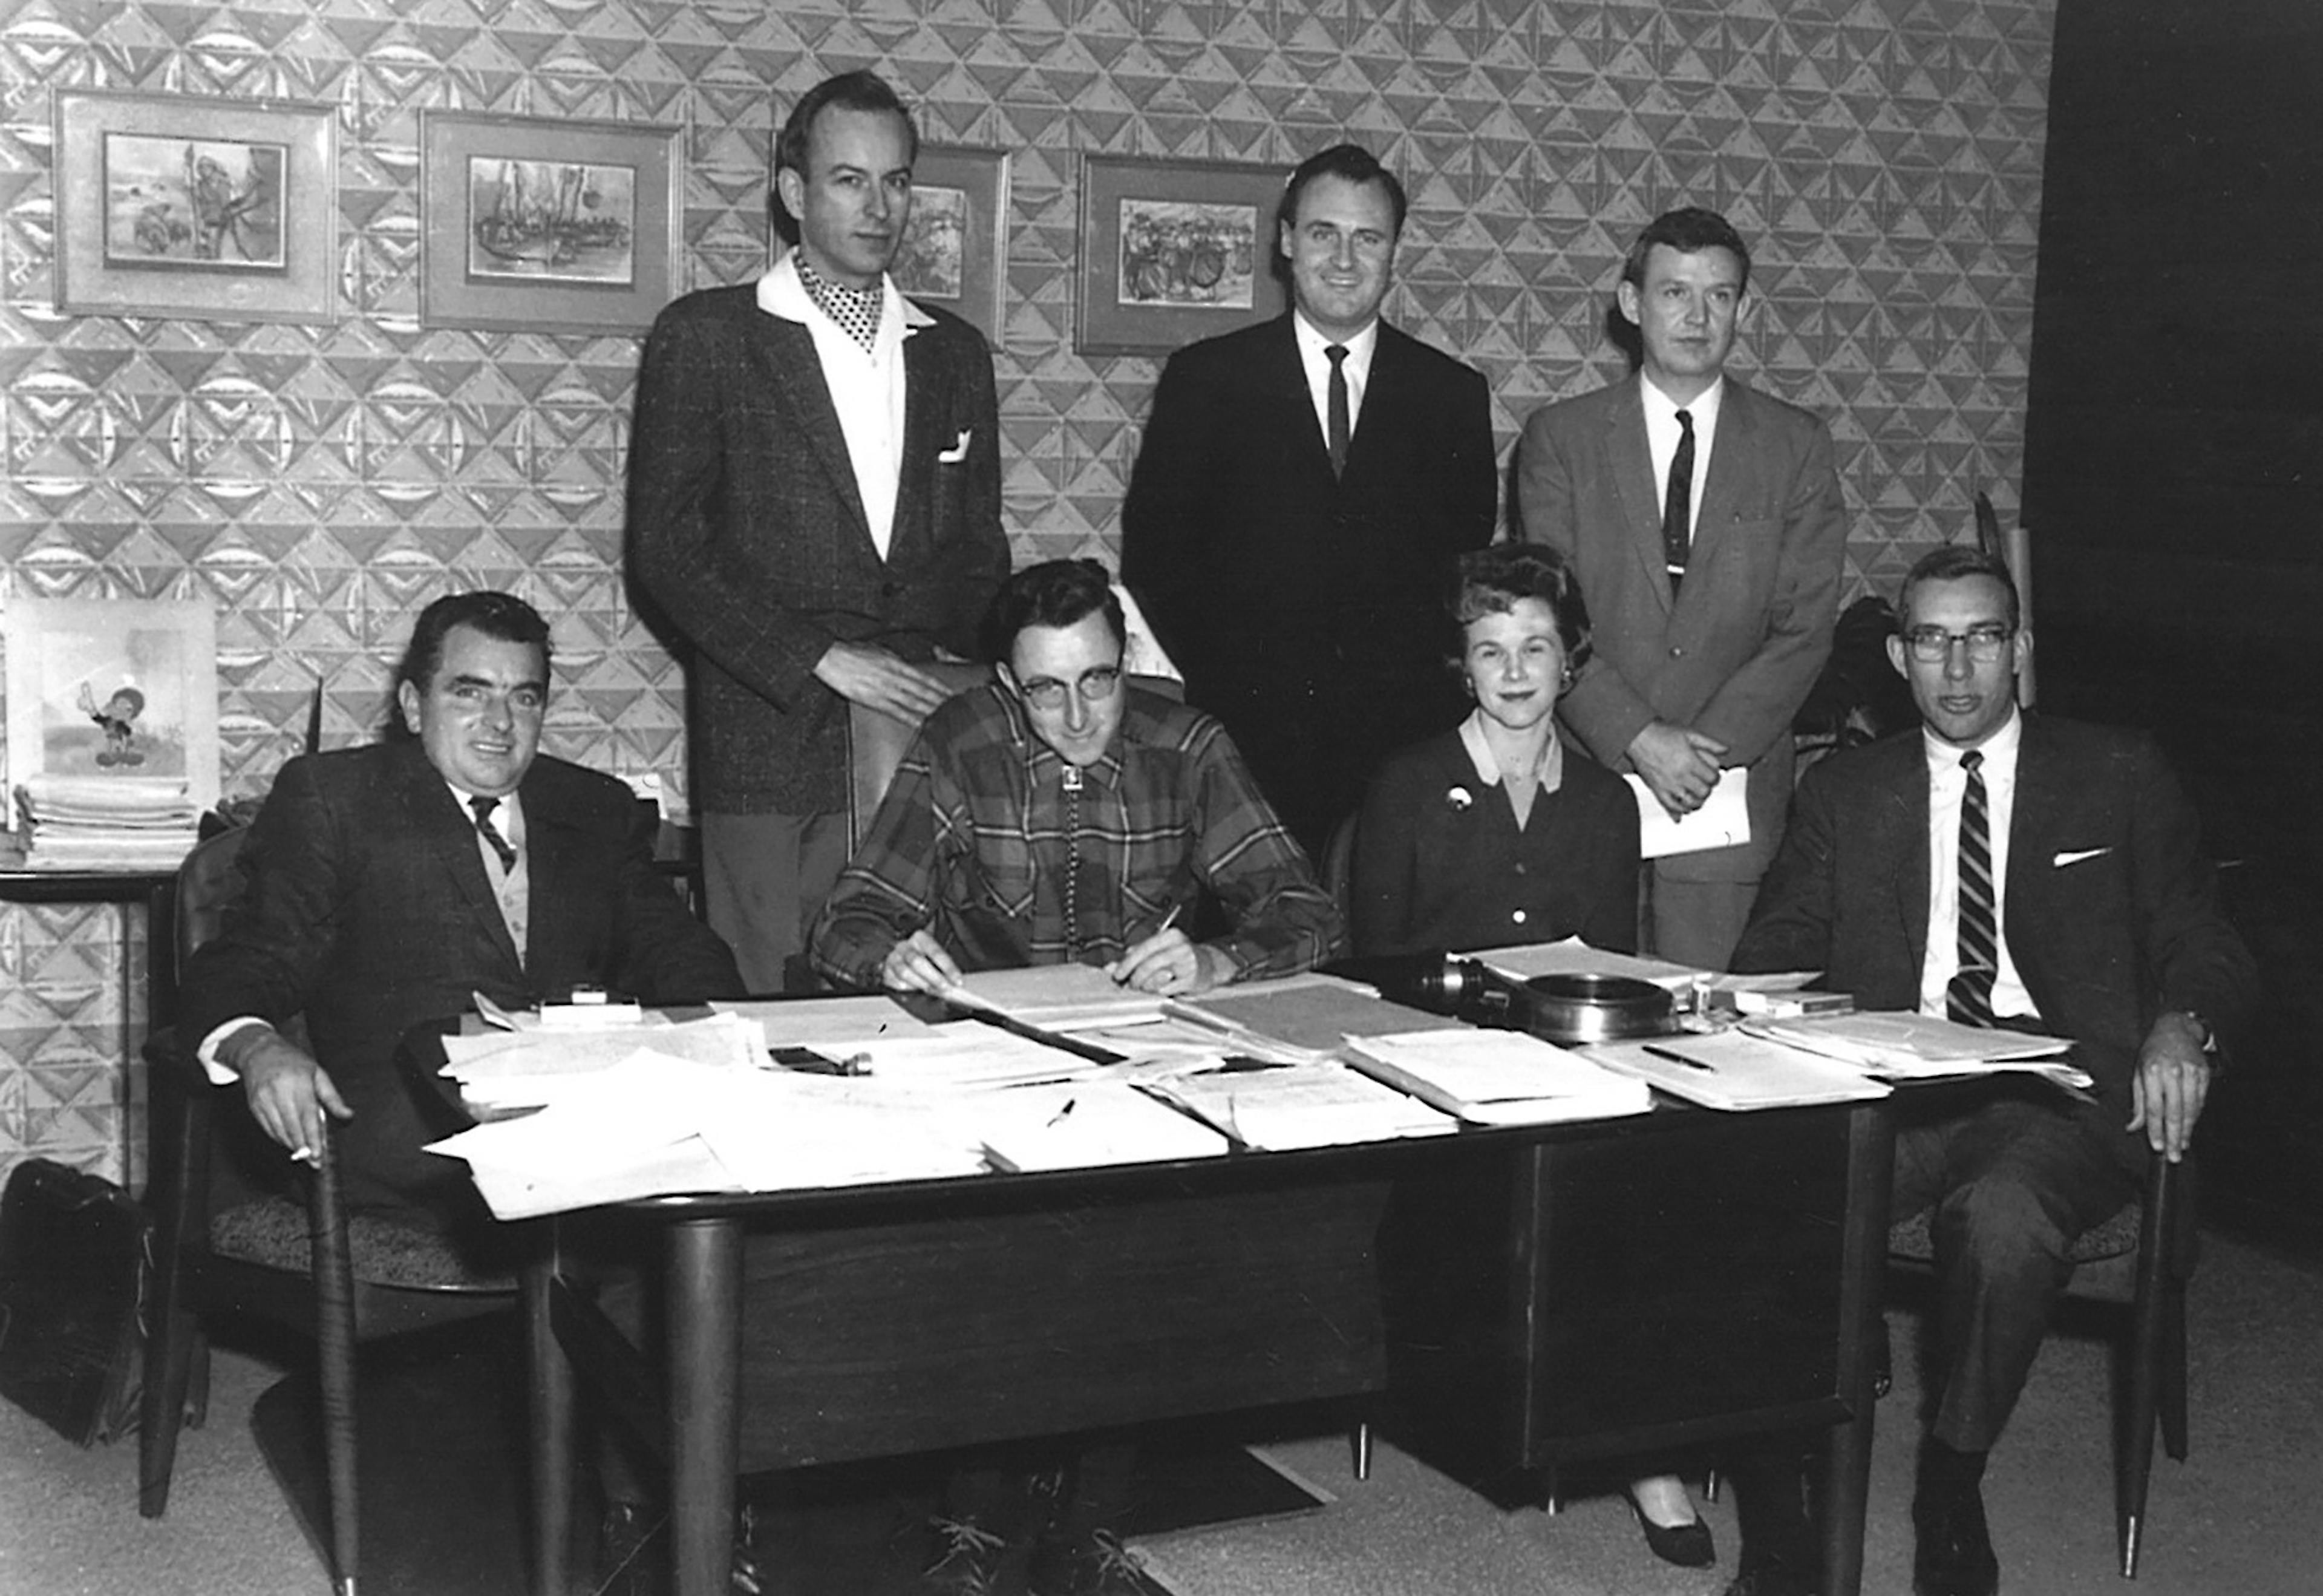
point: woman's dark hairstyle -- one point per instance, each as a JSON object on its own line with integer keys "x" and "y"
{"x": 1054, "y": 593}
{"x": 1493, "y": 581}
{"x": 849, "y": 91}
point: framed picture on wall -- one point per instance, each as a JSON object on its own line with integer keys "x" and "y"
{"x": 1172, "y": 251}
{"x": 119, "y": 692}
{"x": 204, "y": 209}
{"x": 955, "y": 253}
{"x": 536, "y": 225}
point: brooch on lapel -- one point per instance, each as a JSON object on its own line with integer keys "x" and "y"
{"x": 1459, "y": 798}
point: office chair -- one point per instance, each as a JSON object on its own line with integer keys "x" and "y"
{"x": 311, "y": 1268}
{"x": 2138, "y": 1261}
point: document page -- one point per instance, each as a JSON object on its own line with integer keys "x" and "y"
{"x": 1902, "y": 1046}
{"x": 1279, "y": 1108}
{"x": 1056, "y": 996}
{"x": 1723, "y": 820}
{"x": 1497, "y": 1078}
{"x": 1084, "y": 1124}
{"x": 1573, "y": 956}
{"x": 1733, "y": 1071}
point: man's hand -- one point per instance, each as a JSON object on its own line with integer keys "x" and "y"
{"x": 1679, "y": 764}
{"x": 877, "y": 680}
{"x": 919, "y": 964}
{"x": 2173, "y": 1078}
{"x": 288, "y": 1091}
{"x": 1169, "y": 961}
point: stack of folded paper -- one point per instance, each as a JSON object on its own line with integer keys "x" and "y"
{"x": 105, "y": 824}
{"x": 1498, "y": 1078}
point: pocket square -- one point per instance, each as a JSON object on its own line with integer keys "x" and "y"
{"x": 2076, "y": 855}
{"x": 959, "y": 451}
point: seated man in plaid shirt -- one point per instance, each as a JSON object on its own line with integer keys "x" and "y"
{"x": 1063, "y": 815}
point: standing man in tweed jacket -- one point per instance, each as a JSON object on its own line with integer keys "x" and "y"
{"x": 814, "y": 502}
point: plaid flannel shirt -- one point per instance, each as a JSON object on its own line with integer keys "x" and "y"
{"x": 1010, "y": 856}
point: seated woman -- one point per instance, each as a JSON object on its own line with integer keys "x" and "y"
{"x": 1496, "y": 833}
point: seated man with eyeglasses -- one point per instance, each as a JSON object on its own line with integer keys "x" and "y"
{"x": 1996, "y": 868}
{"x": 1062, "y": 815}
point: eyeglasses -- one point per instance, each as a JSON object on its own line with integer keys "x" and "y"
{"x": 1094, "y": 686}
{"x": 1931, "y": 644}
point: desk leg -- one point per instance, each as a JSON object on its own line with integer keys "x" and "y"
{"x": 1871, "y": 1172}
{"x": 705, "y": 1391}
{"x": 553, "y": 1462}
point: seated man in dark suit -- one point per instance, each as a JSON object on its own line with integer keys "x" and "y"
{"x": 2029, "y": 872}
{"x": 384, "y": 884}
{"x": 1062, "y": 815}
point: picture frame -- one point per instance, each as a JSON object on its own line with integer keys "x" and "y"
{"x": 194, "y": 209}
{"x": 121, "y": 690}
{"x": 955, "y": 251}
{"x": 1173, "y": 251}
{"x": 529, "y": 225}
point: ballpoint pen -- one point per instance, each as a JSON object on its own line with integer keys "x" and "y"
{"x": 1060, "y": 1113}
{"x": 1681, "y": 1059}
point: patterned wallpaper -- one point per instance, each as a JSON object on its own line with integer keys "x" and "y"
{"x": 322, "y": 481}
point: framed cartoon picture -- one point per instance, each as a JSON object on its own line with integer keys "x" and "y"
{"x": 531, "y": 224}
{"x": 1173, "y": 251}
{"x": 955, "y": 251}
{"x": 115, "y": 690}
{"x": 208, "y": 209}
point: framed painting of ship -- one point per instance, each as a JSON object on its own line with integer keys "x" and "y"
{"x": 547, "y": 226}
{"x": 203, "y": 209}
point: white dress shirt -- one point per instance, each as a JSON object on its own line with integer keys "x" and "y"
{"x": 1358, "y": 367}
{"x": 1662, "y": 435}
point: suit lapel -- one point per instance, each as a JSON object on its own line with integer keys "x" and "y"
{"x": 1632, "y": 462}
{"x": 448, "y": 837}
{"x": 925, "y": 379}
{"x": 794, "y": 374}
{"x": 2044, "y": 793}
{"x": 1283, "y": 381}
{"x": 1904, "y": 842}
{"x": 1731, "y": 449}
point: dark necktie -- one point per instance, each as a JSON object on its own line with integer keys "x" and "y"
{"x": 1677, "y": 502}
{"x": 1337, "y": 355}
{"x": 500, "y": 845}
{"x": 1969, "y": 997}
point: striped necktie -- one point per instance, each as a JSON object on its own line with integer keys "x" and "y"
{"x": 501, "y": 846}
{"x": 1968, "y": 998}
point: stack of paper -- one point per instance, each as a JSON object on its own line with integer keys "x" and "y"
{"x": 962, "y": 1055}
{"x": 827, "y": 1025}
{"x": 1733, "y": 1071}
{"x": 1056, "y": 996}
{"x": 1084, "y": 1124}
{"x": 653, "y": 1125}
{"x": 1278, "y": 1107}
{"x": 504, "y": 1069}
{"x": 106, "y": 823}
{"x": 1897, "y": 1046}
{"x": 1498, "y": 1078}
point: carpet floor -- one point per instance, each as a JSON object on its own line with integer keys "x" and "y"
{"x": 2234, "y": 1520}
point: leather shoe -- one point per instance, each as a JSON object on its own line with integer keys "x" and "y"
{"x": 1688, "y": 1545}
{"x": 1952, "y": 1554}
{"x": 1760, "y": 1575}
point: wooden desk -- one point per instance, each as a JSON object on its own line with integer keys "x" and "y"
{"x": 1581, "y": 1294}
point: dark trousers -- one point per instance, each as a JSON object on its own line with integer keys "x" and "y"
{"x": 2013, "y": 1180}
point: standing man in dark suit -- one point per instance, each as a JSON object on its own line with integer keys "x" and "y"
{"x": 814, "y": 502}
{"x": 383, "y": 886}
{"x": 1302, "y": 491}
{"x": 2045, "y": 873}
{"x": 1706, "y": 523}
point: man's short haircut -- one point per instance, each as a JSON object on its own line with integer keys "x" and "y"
{"x": 501, "y": 616}
{"x": 1352, "y": 163}
{"x": 1952, "y": 563}
{"x": 1494, "y": 580}
{"x": 849, "y": 91}
{"x": 1688, "y": 231}
{"x": 1054, "y": 593}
